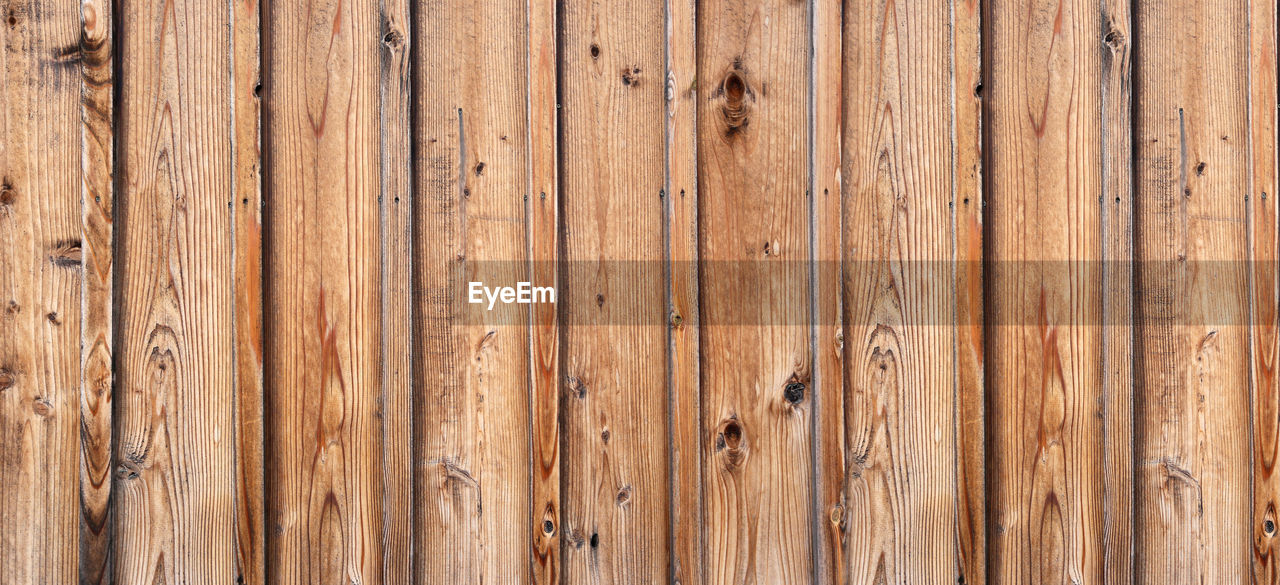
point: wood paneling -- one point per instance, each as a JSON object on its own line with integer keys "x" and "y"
{"x": 323, "y": 361}
{"x": 40, "y": 292}
{"x": 173, "y": 499}
{"x": 848, "y": 292}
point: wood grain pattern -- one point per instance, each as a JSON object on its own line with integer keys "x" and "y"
{"x": 1118, "y": 352}
{"x": 1264, "y": 290}
{"x": 900, "y": 359}
{"x": 1045, "y": 501}
{"x": 323, "y": 366}
{"x": 544, "y": 254}
{"x": 683, "y": 357}
{"x": 40, "y": 291}
{"x": 615, "y": 485}
{"x": 827, "y": 196}
{"x": 753, "y": 178}
{"x": 97, "y": 331}
{"x": 968, "y": 201}
{"x": 1192, "y": 508}
{"x": 395, "y": 408}
{"x": 175, "y": 469}
{"x": 472, "y": 434}
{"x": 246, "y": 104}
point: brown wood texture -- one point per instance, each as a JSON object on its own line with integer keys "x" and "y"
{"x": 323, "y": 360}
{"x": 173, "y": 499}
{"x": 40, "y": 292}
{"x": 846, "y": 292}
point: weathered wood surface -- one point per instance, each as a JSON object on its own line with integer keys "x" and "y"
{"x": 848, "y": 292}
{"x": 40, "y": 293}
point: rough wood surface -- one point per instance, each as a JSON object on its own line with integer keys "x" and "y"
{"x": 246, "y": 90}
{"x": 323, "y": 361}
{"x": 687, "y": 552}
{"x": 1043, "y": 224}
{"x": 848, "y": 292}
{"x": 544, "y": 252}
{"x": 900, "y": 346}
{"x": 173, "y": 499}
{"x": 472, "y": 435}
{"x": 97, "y": 116}
{"x": 395, "y": 408}
{"x": 753, "y": 178}
{"x": 40, "y": 292}
{"x": 615, "y": 486}
{"x": 1192, "y": 168}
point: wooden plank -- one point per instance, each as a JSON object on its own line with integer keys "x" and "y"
{"x": 970, "y": 351}
{"x": 1263, "y": 340}
{"x": 97, "y": 115}
{"x": 472, "y": 432}
{"x": 684, "y": 358}
{"x": 323, "y": 368}
{"x": 828, "y": 268}
{"x": 396, "y": 406}
{"x": 968, "y": 201}
{"x": 1045, "y": 477}
{"x": 1117, "y": 273}
{"x": 246, "y": 106}
{"x": 754, "y": 215}
{"x": 1193, "y": 180}
{"x": 901, "y": 359}
{"x": 175, "y": 472}
{"x": 544, "y": 254}
{"x": 40, "y": 291}
{"x": 616, "y": 490}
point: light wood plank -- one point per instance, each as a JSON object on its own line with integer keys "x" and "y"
{"x": 754, "y": 216}
{"x": 614, "y": 470}
{"x": 175, "y": 471}
{"x": 396, "y": 406}
{"x": 472, "y": 411}
{"x": 1118, "y": 351}
{"x": 1044, "y": 297}
{"x": 246, "y": 106}
{"x": 1193, "y": 179}
{"x": 97, "y": 326}
{"x": 544, "y": 249}
{"x": 684, "y": 358}
{"x": 1265, "y": 397}
{"x": 828, "y": 317}
{"x": 323, "y": 369}
{"x": 40, "y": 291}
{"x": 901, "y": 364}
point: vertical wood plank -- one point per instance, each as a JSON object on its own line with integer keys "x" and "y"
{"x": 1193, "y": 181}
{"x": 544, "y": 255}
{"x": 472, "y": 418}
{"x": 40, "y": 291}
{"x": 1044, "y": 296}
{"x": 616, "y": 490}
{"x": 395, "y": 409}
{"x": 1117, "y": 273}
{"x": 754, "y": 220}
{"x": 97, "y": 116}
{"x": 968, "y": 201}
{"x": 902, "y": 487}
{"x": 1265, "y": 407}
{"x": 246, "y": 106}
{"x": 684, "y": 358}
{"x": 323, "y": 367}
{"x": 828, "y": 267}
{"x": 175, "y": 472}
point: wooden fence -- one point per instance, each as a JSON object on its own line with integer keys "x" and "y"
{"x": 863, "y": 292}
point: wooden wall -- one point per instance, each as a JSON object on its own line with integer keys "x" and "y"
{"x": 847, "y": 292}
